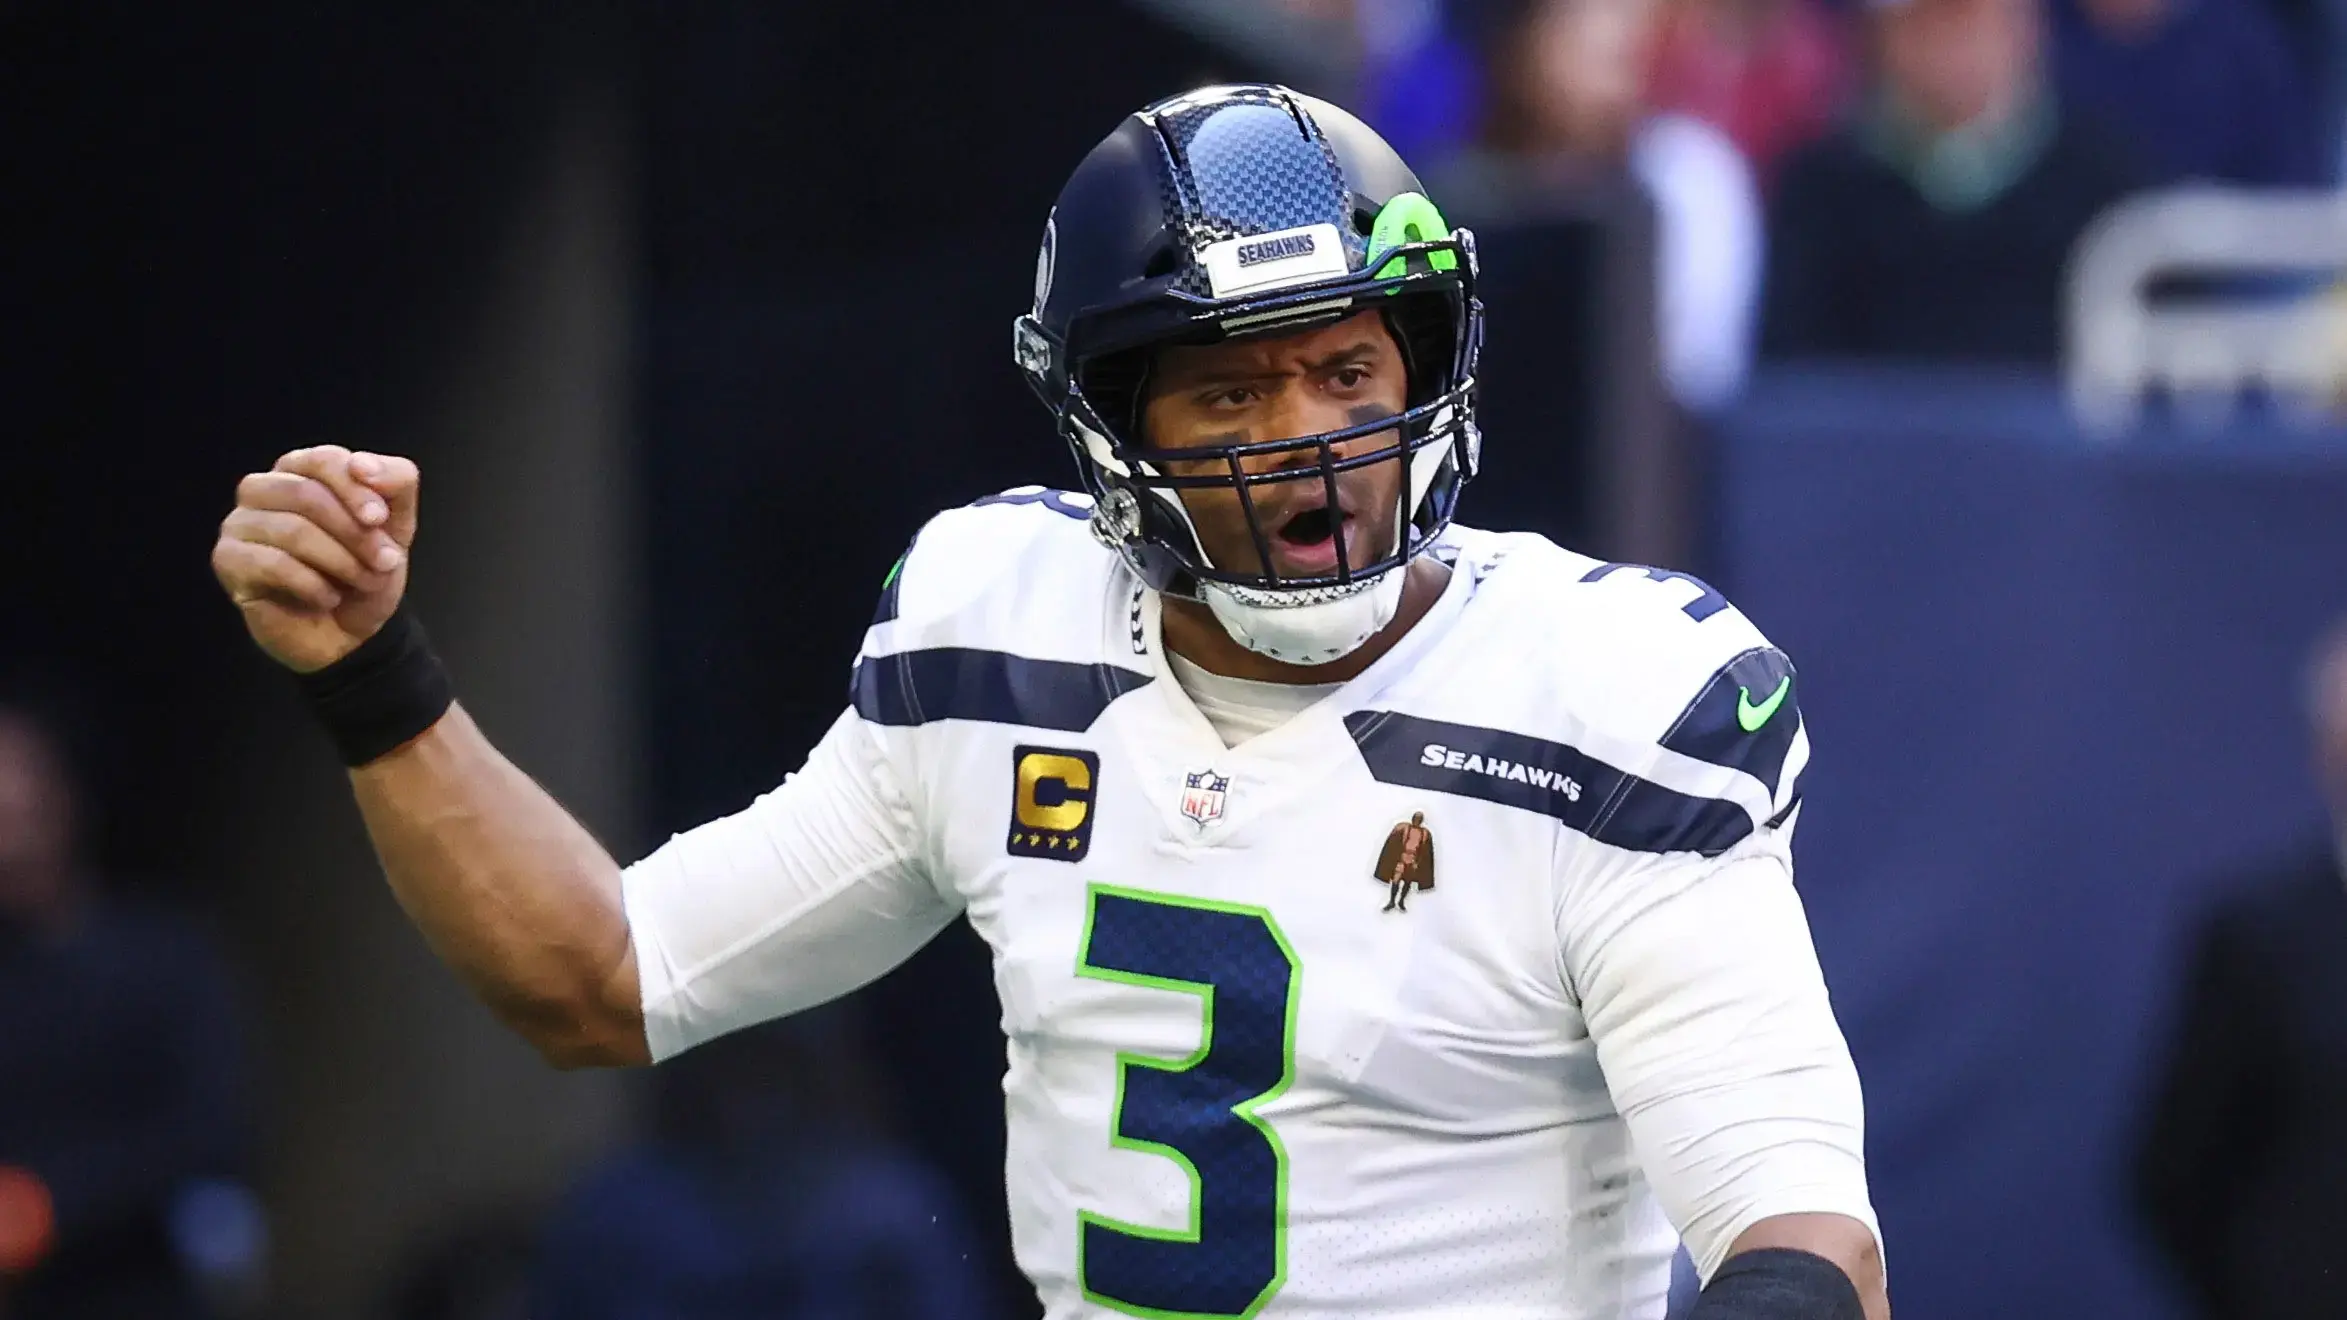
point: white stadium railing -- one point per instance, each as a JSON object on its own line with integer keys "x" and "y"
{"x": 2285, "y": 340}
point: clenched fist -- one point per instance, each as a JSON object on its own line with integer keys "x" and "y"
{"x": 315, "y": 552}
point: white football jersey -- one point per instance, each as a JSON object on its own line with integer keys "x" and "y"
{"x": 1466, "y": 992}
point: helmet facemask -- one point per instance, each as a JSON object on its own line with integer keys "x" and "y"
{"x": 1301, "y": 619}
{"x": 1273, "y": 214}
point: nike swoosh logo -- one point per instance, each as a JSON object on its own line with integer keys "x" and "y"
{"x": 1751, "y": 716}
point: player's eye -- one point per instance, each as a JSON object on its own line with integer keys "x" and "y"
{"x": 1351, "y": 378}
{"x": 1233, "y": 396}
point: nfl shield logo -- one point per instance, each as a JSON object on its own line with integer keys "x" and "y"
{"x": 1203, "y": 795}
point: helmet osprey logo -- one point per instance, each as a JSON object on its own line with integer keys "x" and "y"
{"x": 1044, "y": 256}
{"x": 1409, "y": 218}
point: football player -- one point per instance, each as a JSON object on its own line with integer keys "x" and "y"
{"x": 1179, "y": 745}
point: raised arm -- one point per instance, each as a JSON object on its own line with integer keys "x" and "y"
{"x": 508, "y": 888}
{"x": 510, "y": 891}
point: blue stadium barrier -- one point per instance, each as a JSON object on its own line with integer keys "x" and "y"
{"x": 2053, "y": 683}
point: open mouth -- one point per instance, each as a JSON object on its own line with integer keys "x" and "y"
{"x": 1306, "y": 543}
{"x": 1314, "y": 526}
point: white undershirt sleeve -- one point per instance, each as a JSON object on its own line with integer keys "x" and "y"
{"x": 812, "y": 891}
{"x": 1701, "y": 988}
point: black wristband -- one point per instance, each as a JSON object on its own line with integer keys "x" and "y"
{"x": 1778, "y": 1283}
{"x": 383, "y": 694}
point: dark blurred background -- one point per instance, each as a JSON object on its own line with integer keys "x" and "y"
{"x": 1987, "y": 351}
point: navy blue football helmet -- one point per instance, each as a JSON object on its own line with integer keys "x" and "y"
{"x": 1247, "y": 210}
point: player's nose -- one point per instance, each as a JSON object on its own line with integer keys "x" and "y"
{"x": 1304, "y": 419}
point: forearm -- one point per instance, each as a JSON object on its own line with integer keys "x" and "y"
{"x": 510, "y": 891}
{"x": 1845, "y": 1243}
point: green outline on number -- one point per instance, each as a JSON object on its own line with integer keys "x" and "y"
{"x": 1244, "y": 1110}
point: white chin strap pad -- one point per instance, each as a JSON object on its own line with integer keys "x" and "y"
{"x": 1307, "y": 627}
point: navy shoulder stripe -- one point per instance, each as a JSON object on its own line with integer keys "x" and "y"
{"x": 996, "y": 687}
{"x": 1744, "y": 718}
{"x": 1590, "y": 797}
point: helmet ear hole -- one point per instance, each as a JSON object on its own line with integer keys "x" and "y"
{"x": 1364, "y": 219}
{"x": 1422, "y": 328}
{"x": 1114, "y": 384}
{"x": 1163, "y": 261}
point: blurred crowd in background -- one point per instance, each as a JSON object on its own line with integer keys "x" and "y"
{"x": 1882, "y": 179}
{"x": 1887, "y": 181}
{"x": 766, "y": 1181}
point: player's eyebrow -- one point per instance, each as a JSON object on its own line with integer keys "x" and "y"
{"x": 1345, "y": 357}
{"x": 1199, "y": 377}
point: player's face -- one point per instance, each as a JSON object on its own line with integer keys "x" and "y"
{"x": 1253, "y": 390}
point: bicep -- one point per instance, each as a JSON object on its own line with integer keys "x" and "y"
{"x": 814, "y": 890}
{"x": 1702, "y": 990}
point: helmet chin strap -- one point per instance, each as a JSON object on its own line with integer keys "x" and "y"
{"x": 1318, "y": 624}
{"x": 1312, "y": 628}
